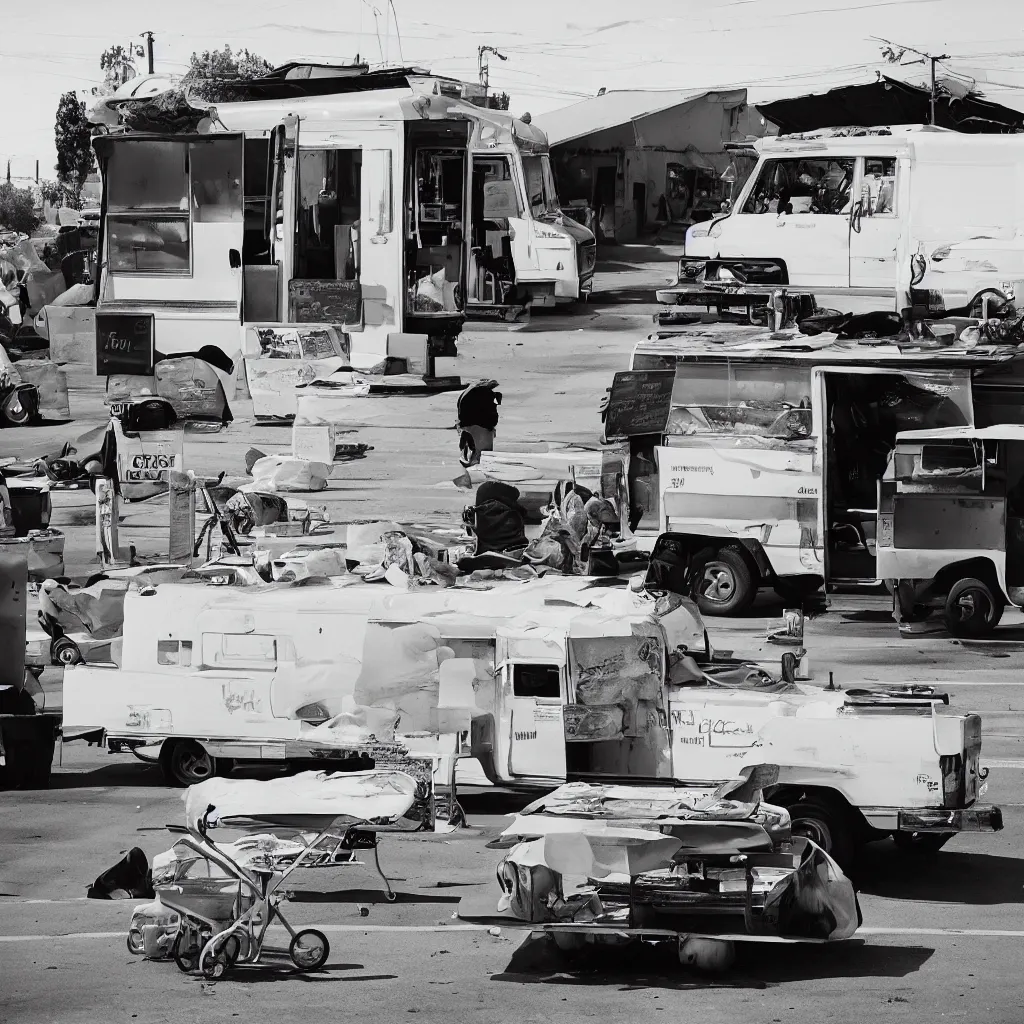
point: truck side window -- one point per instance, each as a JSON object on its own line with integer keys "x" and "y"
{"x": 536, "y": 681}
{"x": 878, "y": 186}
{"x": 799, "y": 185}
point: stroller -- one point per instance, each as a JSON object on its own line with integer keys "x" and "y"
{"x": 216, "y": 901}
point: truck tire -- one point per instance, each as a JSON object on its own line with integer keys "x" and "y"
{"x": 827, "y": 826}
{"x": 186, "y": 763}
{"x": 921, "y": 844}
{"x": 726, "y": 586}
{"x": 972, "y": 608}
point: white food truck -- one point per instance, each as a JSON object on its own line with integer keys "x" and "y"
{"x": 328, "y": 230}
{"x": 854, "y": 216}
{"x": 537, "y": 678}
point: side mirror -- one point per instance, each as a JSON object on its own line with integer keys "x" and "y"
{"x": 726, "y": 205}
{"x": 234, "y": 259}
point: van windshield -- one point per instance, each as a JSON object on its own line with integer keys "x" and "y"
{"x": 540, "y": 186}
{"x": 821, "y": 185}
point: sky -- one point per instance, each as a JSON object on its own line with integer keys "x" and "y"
{"x": 558, "y": 51}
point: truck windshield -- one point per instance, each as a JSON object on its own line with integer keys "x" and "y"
{"x": 540, "y": 186}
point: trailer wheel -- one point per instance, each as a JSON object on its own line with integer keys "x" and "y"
{"x": 186, "y": 763}
{"x": 65, "y": 652}
{"x": 921, "y": 844}
{"x": 726, "y": 585}
{"x": 827, "y": 826}
{"x": 972, "y": 609}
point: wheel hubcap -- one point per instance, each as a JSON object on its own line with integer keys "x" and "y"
{"x": 196, "y": 766}
{"x": 973, "y": 604}
{"x": 719, "y": 585}
{"x": 817, "y": 831}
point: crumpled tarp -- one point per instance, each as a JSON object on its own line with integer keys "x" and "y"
{"x": 97, "y": 610}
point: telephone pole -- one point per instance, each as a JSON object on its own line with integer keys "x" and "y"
{"x": 148, "y": 36}
{"x": 893, "y": 53}
{"x": 483, "y": 64}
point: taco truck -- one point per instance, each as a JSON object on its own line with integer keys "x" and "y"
{"x": 332, "y": 230}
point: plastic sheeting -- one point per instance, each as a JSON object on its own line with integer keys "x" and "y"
{"x": 377, "y": 796}
{"x": 287, "y": 473}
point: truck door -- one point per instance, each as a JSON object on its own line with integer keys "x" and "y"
{"x": 798, "y": 210}
{"x": 875, "y": 230}
{"x": 281, "y": 212}
{"x": 538, "y": 740}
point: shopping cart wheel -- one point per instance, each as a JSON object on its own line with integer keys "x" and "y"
{"x": 186, "y": 952}
{"x": 215, "y": 965}
{"x": 309, "y": 950}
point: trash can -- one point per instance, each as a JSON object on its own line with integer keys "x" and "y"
{"x": 26, "y": 750}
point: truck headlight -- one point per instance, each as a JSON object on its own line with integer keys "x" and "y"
{"x": 698, "y": 231}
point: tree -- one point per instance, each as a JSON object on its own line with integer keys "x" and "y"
{"x": 55, "y": 193}
{"x": 499, "y": 101}
{"x": 212, "y": 72}
{"x": 17, "y": 208}
{"x": 117, "y": 65}
{"x": 72, "y": 139}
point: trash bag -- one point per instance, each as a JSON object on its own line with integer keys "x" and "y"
{"x": 286, "y": 473}
{"x": 130, "y": 876}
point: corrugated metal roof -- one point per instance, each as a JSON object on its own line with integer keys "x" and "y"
{"x": 614, "y": 108}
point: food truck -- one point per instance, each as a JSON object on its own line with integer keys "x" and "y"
{"x": 951, "y": 525}
{"x": 335, "y": 230}
{"x": 534, "y": 680}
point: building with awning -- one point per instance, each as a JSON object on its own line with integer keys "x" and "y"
{"x": 640, "y": 158}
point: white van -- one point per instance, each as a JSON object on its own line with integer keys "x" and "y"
{"x": 841, "y": 214}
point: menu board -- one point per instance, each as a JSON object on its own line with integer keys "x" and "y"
{"x": 639, "y": 403}
{"x": 124, "y": 343}
{"x": 325, "y": 302}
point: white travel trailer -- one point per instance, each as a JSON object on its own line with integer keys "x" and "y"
{"x": 847, "y": 215}
{"x": 345, "y": 227}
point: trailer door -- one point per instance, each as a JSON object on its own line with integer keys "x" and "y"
{"x": 538, "y": 740}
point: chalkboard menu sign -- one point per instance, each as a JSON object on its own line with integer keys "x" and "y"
{"x": 639, "y": 403}
{"x": 124, "y": 343}
{"x": 325, "y": 302}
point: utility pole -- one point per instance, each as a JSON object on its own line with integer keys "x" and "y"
{"x": 148, "y": 36}
{"x": 893, "y": 53}
{"x": 483, "y": 65}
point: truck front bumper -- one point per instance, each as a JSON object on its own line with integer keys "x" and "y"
{"x": 959, "y": 819}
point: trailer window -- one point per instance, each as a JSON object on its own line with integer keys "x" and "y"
{"x": 216, "y": 175}
{"x": 148, "y": 175}
{"x": 174, "y": 652}
{"x": 536, "y": 681}
{"x": 799, "y": 185}
{"x": 253, "y": 651}
{"x": 940, "y": 467}
{"x": 751, "y": 399}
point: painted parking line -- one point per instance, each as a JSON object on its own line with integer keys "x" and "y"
{"x": 974, "y": 933}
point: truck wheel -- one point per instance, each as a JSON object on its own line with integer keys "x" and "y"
{"x": 921, "y": 844}
{"x": 972, "y": 609}
{"x": 826, "y": 826}
{"x": 726, "y": 586}
{"x": 186, "y": 763}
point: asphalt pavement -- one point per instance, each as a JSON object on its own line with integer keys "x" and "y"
{"x": 941, "y": 939}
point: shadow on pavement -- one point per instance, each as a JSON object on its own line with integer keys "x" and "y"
{"x": 538, "y": 961}
{"x": 367, "y": 896}
{"x": 979, "y": 879}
